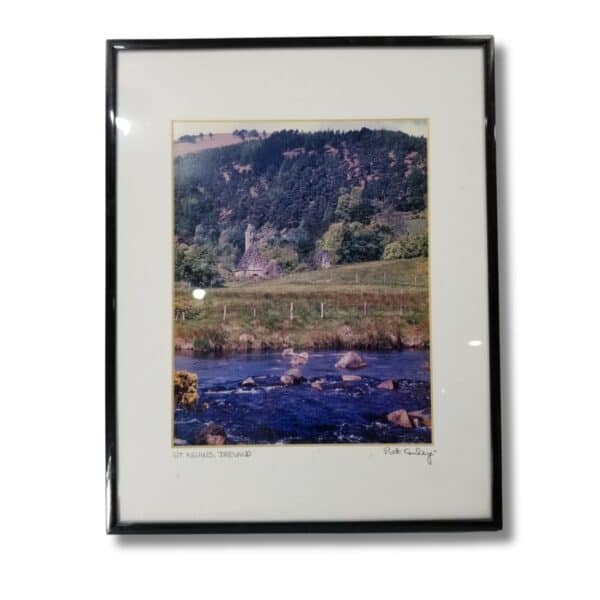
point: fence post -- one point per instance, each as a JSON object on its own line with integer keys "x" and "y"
{"x": 254, "y": 311}
{"x": 322, "y": 309}
{"x": 224, "y": 312}
{"x": 291, "y": 311}
{"x": 365, "y": 309}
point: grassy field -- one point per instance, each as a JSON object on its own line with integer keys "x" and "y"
{"x": 376, "y": 305}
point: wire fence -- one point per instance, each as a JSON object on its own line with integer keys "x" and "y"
{"x": 349, "y": 295}
{"x": 298, "y": 310}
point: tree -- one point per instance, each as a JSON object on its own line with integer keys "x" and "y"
{"x": 361, "y": 243}
{"x": 333, "y": 241}
{"x": 414, "y": 189}
{"x": 199, "y": 234}
{"x": 196, "y": 265}
{"x": 409, "y": 246}
{"x": 286, "y": 257}
{"x": 353, "y": 207}
{"x": 180, "y": 250}
{"x": 393, "y": 251}
{"x": 354, "y": 242}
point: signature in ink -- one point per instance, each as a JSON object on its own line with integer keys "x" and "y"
{"x": 428, "y": 454}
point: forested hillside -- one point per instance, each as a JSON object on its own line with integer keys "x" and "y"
{"x": 349, "y": 193}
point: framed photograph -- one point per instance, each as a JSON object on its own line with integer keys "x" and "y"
{"x": 302, "y": 286}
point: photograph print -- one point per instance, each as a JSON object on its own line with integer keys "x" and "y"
{"x": 301, "y": 282}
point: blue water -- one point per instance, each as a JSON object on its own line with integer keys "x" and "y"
{"x": 269, "y": 413}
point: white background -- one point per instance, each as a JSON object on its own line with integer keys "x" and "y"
{"x": 52, "y": 249}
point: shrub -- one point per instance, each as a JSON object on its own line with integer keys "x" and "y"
{"x": 185, "y": 388}
{"x": 354, "y": 242}
{"x": 286, "y": 257}
{"x": 196, "y": 264}
{"x": 409, "y": 246}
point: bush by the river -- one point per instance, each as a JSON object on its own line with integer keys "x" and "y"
{"x": 186, "y": 388}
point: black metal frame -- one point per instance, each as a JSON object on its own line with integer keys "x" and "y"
{"x": 114, "y": 524}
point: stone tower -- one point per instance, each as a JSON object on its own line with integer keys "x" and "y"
{"x": 249, "y": 236}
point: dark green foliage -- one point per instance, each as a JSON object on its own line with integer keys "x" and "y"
{"x": 353, "y": 207}
{"x": 197, "y": 265}
{"x": 286, "y": 257}
{"x": 299, "y": 184}
{"x": 355, "y": 242}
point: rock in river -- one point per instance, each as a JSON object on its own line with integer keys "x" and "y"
{"x": 212, "y": 435}
{"x": 296, "y": 373}
{"x": 388, "y": 384}
{"x": 400, "y": 417}
{"x": 292, "y": 377}
{"x": 350, "y": 360}
{"x": 420, "y": 417}
{"x": 248, "y": 382}
{"x": 299, "y": 359}
{"x": 351, "y": 377}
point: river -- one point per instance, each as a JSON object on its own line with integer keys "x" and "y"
{"x": 342, "y": 412}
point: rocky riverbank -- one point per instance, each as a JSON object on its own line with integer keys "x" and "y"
{"x": 362, "y": 336}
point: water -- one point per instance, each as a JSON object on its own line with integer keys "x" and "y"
{"x": 269, "y": 413}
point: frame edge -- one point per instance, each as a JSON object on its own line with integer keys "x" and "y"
{"x": 493, "y": 281}
{"x": 111, "y": 293}
{"x": 113, "y": 524}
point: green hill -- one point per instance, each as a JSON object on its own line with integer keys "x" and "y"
{"x": 348, "y": 192}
